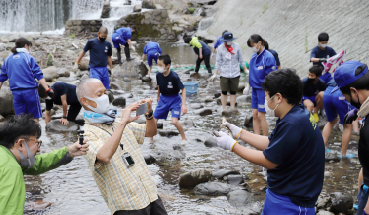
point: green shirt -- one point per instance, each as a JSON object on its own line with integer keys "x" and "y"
{"x": 12, "y": 187}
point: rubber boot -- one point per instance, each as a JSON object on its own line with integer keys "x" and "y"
{"x": 119, "y": 57}
{"x": 127, "y": 52}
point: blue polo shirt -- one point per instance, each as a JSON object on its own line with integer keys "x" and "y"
{"x": 218, "y": 42}
{"x": 275, "y": 54}
{"x": 260, "y": 66}
{"x": 205, "y": 49}
{"x": 99, "y": 51}
{"x": 297, "y": 147}
{"x": 152, "y": 47}
{"x": 124, "y": 33}
{"x": 319, "y": 53}
{"x": 170, "y": 85}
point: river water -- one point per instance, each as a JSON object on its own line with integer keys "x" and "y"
{"x": 71, "y": 189}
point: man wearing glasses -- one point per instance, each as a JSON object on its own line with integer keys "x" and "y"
{"x": 18, "y": 147}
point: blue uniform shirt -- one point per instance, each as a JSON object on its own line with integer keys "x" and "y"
{"x": 61, "y": 88}
{"x": 152, "y": 47}
{"x": 205, "y": 49}
{"x": 99, "y": 51}
{"x": 169, "y": 85}
{"x": 311, "y": 89}
{"x": 260, "y": 66}
{"x": 21, "y": 69}
{"x": 275, "y": 54}
{"x": 319, "y": 53}
{"x": 218, "y": 42}
{"x": 297, "y": 147}
{"x": 125, "y": 33}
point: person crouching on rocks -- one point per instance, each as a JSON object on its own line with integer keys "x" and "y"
{"x": 21, "y": 69}
{"x": 293, "y": 154}
{"x": 202, "y": 50}
{"x": 153, "y": 51}
{"x": 229, "y": 56}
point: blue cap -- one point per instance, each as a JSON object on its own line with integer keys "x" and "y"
{"x": 228, "y": 36}
{"x": 345, "y": 74}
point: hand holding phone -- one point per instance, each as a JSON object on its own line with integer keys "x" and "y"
{"x": 142, "y": 109}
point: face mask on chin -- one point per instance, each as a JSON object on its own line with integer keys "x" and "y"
{"x": 24, "y": 161}
{"x": 102, "y": 104}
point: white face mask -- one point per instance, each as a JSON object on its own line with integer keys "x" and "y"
{"x": 161, "y": 69}
{"x": 323, "y": 45}
{"x": 102, "y": 103}
{"x": 254, "y": 49}
{"x": 229, "y": 43}
{"x": 269, "y": 111}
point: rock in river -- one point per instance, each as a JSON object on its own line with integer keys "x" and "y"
{"x": 56, "y": 126}
{"x": 192, "y": 178}
{"x": 214, "y": 189}
{"x": 239, "y": 198}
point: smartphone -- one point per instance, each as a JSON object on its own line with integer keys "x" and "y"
{"x": 144, "y": 108}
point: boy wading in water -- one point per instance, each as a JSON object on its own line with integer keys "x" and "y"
{"x": 169, "y": 85}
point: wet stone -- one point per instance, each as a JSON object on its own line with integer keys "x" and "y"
{"x": 203, "y": 112}
{"x": 239, "y": 198}
{"x": 149, "y": 159}
{"x": 146, "y": 79}
{"x": 168, "y": 133}
{"x": 211, "y": 142}
{"x": 187, "y": 123}
{"x": 322, "y": 212}
{"x": 230, "y": 112}
{"x": 244, "y": 99}
{"x": 209, "y": 99}
{"x": 115, "y": 86}
{"x": 324, "y": 203}
{"x": 224, "y": 172}
{"x": 56, "y": 126}
{"x": 248, "y": 120}
{"x": 217, "y": 95}
{"x": 214, "y": 189}
{"x": 192, "y": 178}
{"x": 341, "y": 203}
{"x": 126, "y": 79}
{"x": 240, "y": 87}
{"x": 196, "y": 106}
{"x": 120, "y": 101}
{"x": 329, "y": 157}
{"x": 235, "y": 179}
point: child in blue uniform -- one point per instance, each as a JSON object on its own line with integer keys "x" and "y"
{"x": 122, "y": 36}
{"x": 218, "y": 43}
{"x": 321, "y": 53}
{"x": 313, "y": 91}
{"x": 100, "y": 56}
{"x": 21, "y": 69}
{"x": 294, "y": 152}
{"x": 334, "y": 102}
{"x": 168, "y": 98}
{"x": 202, "y": 50}
{"x": 262, "y": 62}
{"x": 153, "y": 51}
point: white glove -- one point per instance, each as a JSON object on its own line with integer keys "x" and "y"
{"x": 246, "y": 91}
{"x": 212, "y": 55}
{"x": 212, "y": 78}
{"x": 133, "y": 48}
{"x": 235, "y": 130}
{"x": 225, "y": 142}
{"x": 75, "y": 68}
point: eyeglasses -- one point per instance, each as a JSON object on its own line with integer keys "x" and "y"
{"x": 39, "y": 142}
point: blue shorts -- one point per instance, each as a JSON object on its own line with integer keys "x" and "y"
{"x": 335, "y": 103}
{"x": 172, "y": 103}
{"x": 311, "y": 98}
{"x": 326, "y": 78}
{"x": 152, "y": 56}
{"x": 117, "y": 39}
{"x": 101, "y": 73}
{"x": 258, "y": 100}
{"x": 275, "y": 202}
{"x": 27, "y": 101}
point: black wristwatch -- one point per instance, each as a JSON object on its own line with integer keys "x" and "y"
{"x": 64, "y": 117}
{"x": 148, "y": 116}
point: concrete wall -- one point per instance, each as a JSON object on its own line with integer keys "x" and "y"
{"x": 292, "y": 27}
{"x": 82, "y": 27}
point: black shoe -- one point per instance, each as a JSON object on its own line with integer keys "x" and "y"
{"x": 120, "y": 62}
{"x": 131, "y": 58}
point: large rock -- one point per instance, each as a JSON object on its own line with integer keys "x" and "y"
{"x": 342, "y": 203}
{"x": 240, "y": 198}
{"x": 244, "y": 99}
{"x": 56, "y": 126}
{"x": 168, "y": 133}
{"x": 63, "y": 72}
{"x": 224, "y": 172}
{"x": 211, "y": 142}
{"x": 203, "y": 112}
{"x": 6, "y": 101}
{"x": 324, "y": 203}
{"x": 130, "y": 68}
{"x": 214, "y": 189}
{"x": 83, "y": 64}
{"x": 149, "y": 159}
{"x": 194, "y": 177}
{"x": 235, "y": 179}
{"x": 50, "y": 73}
{"x": 119, "y": 101}
{"x": 137, "y": 8}
{"x": 146, "y": 79}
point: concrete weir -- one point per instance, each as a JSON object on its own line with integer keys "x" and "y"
{"x": 292, "y": 27}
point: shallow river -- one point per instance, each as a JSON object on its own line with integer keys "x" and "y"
{"x": 72, "y": 190}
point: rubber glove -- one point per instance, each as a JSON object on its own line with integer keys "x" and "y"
{"x": 246, "y": 91}
{"x": 50, "y": 92}
{"x": 235, "y": 130}
{"x": 322, "y": 60}
{"x": 211, "y": 79}
{"x": 133, "y": 48}
{"x": 212, "y": 55}
{"x": 75, "y": 68}
{"x": 225, "y": 142}
{"x": 350, "y": 116}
